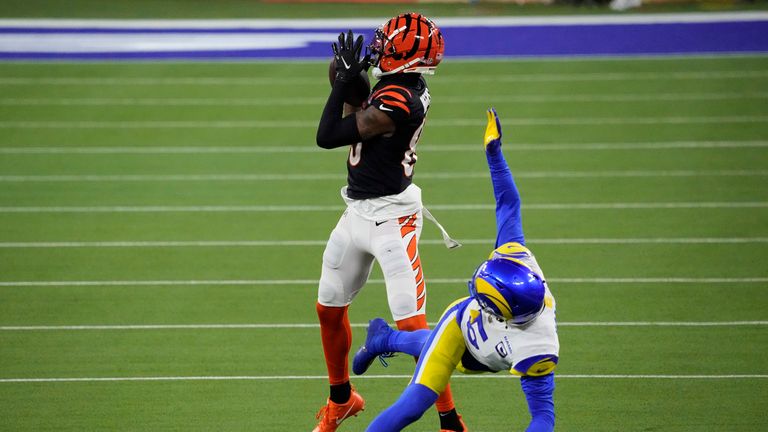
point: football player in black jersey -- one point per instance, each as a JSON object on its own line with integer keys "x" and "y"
{"x": 383, "y": 219}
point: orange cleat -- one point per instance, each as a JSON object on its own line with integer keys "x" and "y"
{"x": 332, "y": 414}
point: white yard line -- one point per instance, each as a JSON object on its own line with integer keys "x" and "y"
{"x": 187, "y": 177}
{"x": 661, "y": 280}
{"x": 367, "y": 377}
{"x": 340, "y": 177}
{"x": 338, "y": 208}
{"x": 655, "y": 58}
{"x": 456, "y": 122}
{"x": 186, "y": 102}
{"x": 293, "y": 101}
{"x": 436, "y": 81}
{"x": 601, "y": 76}
{"x": 336, "y": 23}
{"x": 428, "y": 148}
{"x": 423, "y": 242}
{"x": 287, "y": 326}
{"x": 661, "y": 323}
{"x": 312, "y": 282}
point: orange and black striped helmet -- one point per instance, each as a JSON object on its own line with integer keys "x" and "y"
{"x": 409, "y": 42}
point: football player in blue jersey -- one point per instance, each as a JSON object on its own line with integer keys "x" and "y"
{"x": 507, "y": 322}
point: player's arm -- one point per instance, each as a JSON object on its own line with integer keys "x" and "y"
{"x": 372, "y": 122}
{"x": 509, "y": 227}
{"x": 538, "y": 393}
{"x": 336, "y": 128}
{"x": 337, "y": 131}
{"x": 537, "y": 378}
{"x": 350, "y": 109}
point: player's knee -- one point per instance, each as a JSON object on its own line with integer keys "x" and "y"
{"x": 402, "y": 301}
{"x": 333, "y": 288}
{"x": 336, "y": 248}
{"x": 330, "y": 291}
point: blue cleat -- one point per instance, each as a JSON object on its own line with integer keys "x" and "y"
{"x": 375, "y": 343}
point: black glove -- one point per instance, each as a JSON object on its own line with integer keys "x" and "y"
{"x": 347, "y": 56}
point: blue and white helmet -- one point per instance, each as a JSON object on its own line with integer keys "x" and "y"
{"x": 508, "y": 290}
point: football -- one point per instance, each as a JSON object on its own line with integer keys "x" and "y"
{"x": 359, "y": 90}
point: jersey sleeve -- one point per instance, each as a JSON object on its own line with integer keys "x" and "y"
{"x": 394, "y": 101}
{"x": 535, "y": 366}
{"x": 509, "y": 224}
{"x": 538, "y": 393}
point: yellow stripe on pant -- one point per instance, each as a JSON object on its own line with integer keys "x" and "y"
{"x": 441, "y": 353}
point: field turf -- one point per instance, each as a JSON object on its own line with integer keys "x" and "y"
{"x": 166, "y": 222}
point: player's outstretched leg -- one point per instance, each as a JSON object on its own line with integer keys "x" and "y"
{"x": 450, "y": 420}
{"x": 383, "y": 342}
{"x": 375, "y": 346}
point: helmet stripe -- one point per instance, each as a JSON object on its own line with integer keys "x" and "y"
{"x": 491, "y": 293}
{"x": 397, "y": 23}
{"x": 416, "y": 40}
{"x": 429, "y": 43}
{"x": 407, "y": 26}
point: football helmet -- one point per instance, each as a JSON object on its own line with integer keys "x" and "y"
{"x": 409, "y": 42}
{"x": 508, "y": 290}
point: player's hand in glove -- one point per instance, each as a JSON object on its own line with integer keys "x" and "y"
{"x": 347, "y": 55}
{"x": 492, "y": 132}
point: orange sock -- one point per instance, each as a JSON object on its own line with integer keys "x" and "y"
{"x": 336, "y": 334}
{"x": 445, "y": 400}
{"x": 417, "y": 322}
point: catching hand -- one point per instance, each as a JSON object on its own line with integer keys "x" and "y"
{"x": 347, "y": 55}
{"x": 492, "y": 131}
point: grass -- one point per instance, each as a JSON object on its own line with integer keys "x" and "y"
{"x": 581, "y": 136}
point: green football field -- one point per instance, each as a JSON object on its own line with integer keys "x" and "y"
{"x": 162, "y": 226}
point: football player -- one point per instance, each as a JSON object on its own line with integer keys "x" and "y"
{"x": 383, "y": 219}
{"x": 507, "y": 322}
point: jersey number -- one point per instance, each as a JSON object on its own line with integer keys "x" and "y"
{"x": 472, "y": 333}
{"x": 409, "y": 158}
{"x": 355, "y": 154}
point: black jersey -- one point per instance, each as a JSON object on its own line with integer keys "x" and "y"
{"x": 383, "y": 165}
